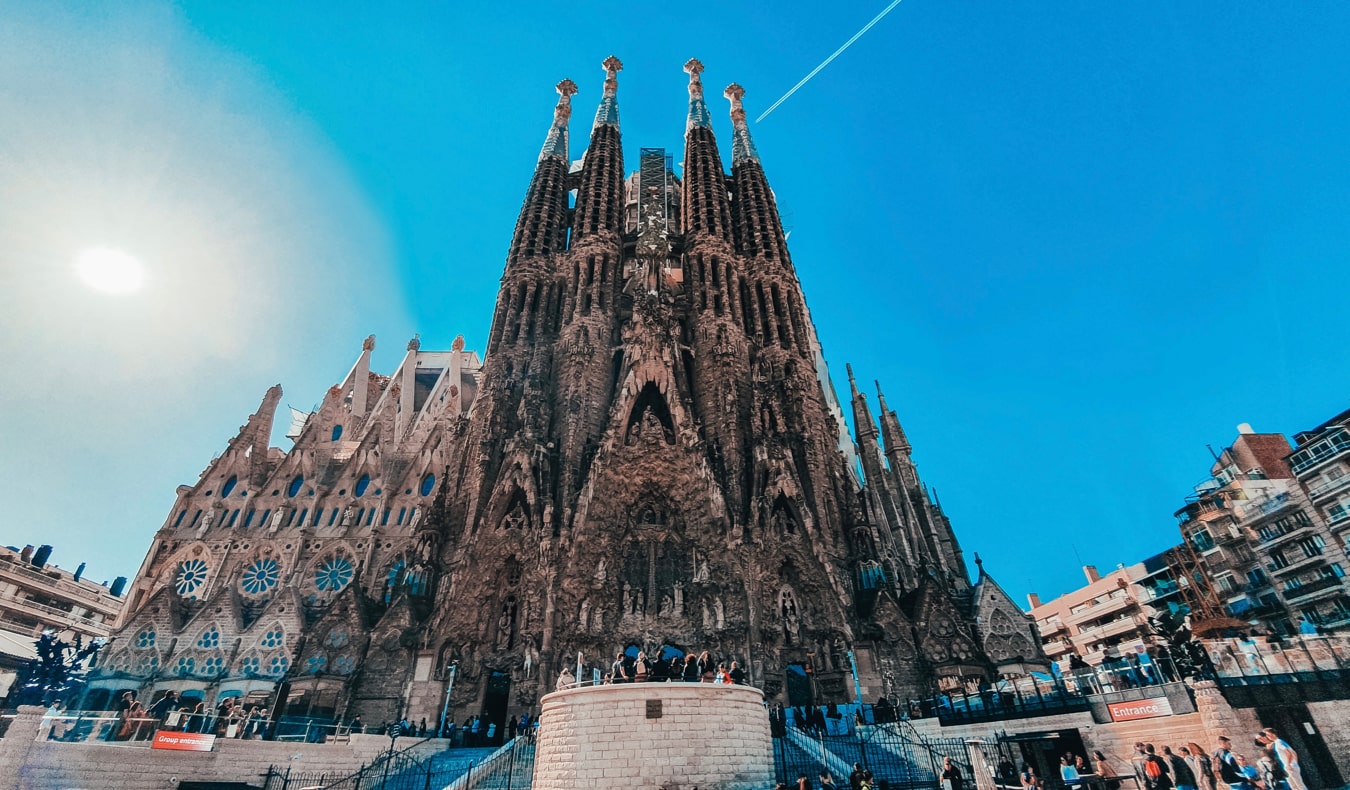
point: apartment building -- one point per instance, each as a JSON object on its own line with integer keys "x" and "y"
{"x": 1102, "y": 623}
{"x": 36, "y": 596}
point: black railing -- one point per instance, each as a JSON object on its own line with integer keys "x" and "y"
{"x": 897, "y": 757}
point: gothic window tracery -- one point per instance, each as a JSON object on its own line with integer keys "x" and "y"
{"x": 333, "y": 574}
{"x": 273, "y": 637}
{"x": 260, "y": 577}
{"x": 210, "y": 638}
{"x": 190, "y": 577}
{"x": 145, "y": 639}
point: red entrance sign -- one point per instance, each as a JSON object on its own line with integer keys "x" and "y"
{"x": 184, "y": 741}
{"x": 1140, "y": 709}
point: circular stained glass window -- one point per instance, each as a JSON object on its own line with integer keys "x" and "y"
{"x": 334, "y": 574}
{"x": 260, "y": 576}
{"x": 190, "y": 577}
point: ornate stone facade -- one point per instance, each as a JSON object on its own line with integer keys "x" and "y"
{"x": 650, "y": 454}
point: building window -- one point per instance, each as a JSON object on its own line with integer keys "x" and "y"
{"x": 189, "y": 577}
{"x": 1312, "y": 546}
{"x": 362, "y": 485}
{"x": 1224, "y": 583}
{"x": 146, "y": 638}
{"x": 1203, "y": 540}
{"x": 428, "y": 483}
{"x": 294, "y": 487}
{"x": 261, "y": 576}
{"x": 273, "y": 638}
{"x": 278, "y": 666}
{"x": 228, "y": 487}
{"x": 337, "y": 432}
{"x": 334, "y": 574}
{"x": 210, "y": 638}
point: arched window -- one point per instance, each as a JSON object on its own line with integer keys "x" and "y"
{"x": 362, "y": 485}
{"x": 428, "y": 483}
{"x": 337, "y": 432}
{"x": 229, "y": 486}
{"x": 294, "y": 487}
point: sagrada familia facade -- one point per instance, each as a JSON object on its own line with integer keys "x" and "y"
{"x": 649, "y": 456}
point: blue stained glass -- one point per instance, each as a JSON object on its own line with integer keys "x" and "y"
{"x": 260, "y": 576}
{"x": 189, "y": 578}
{"x": 334, "y": 574}
{"x": 362, "y": 485}
{"x": 428, "y": 483}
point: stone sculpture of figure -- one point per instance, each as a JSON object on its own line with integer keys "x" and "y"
{"x": 679, "y": 599}
{"x": 348, "y": 516}
{"x": 640, "y": 602}
{"x": 277, "y": 518}
{"x": 702, "y": 576}
{"x": 707, "y": 618}
{"x": 601, "y": 572}
{"x": 504, "y": 623}
{"x": 412, "y": 522}
{"x": 792, "y": 625}
{"x": 667, "y": 606}
{"x": 719, "y": 613}
{"x": 208, "y": 518}
{"x": 627, "y": 598}
{"x": 531, "y": 655}
{"x": 583, "y": 619}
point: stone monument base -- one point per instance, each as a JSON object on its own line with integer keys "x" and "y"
{"x": 654, "y": 736}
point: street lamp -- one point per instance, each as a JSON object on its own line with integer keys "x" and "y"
{"x": 453, "y": 667}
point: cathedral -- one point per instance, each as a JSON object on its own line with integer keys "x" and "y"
{"x": 649, "y": 456}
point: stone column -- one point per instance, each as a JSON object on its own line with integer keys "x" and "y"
{"x": 1220, "y": 718}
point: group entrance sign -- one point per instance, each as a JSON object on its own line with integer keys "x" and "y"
{"x": 1140, "y": 709}
{"x": 184, "y": 741}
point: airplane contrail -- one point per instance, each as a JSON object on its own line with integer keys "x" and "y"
{"x": 828, "y": 60}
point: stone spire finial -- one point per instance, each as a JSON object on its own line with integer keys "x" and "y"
{"x": 742, "y": 147}
{"x": 698, "y": 108}
{"x": 555, "y": 144}
{"x": 608, "y": 114}
{"x": 416, "y": 343}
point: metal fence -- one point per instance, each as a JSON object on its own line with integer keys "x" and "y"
{"x": 898, "y": 757}
{"x": 509, "y": 768}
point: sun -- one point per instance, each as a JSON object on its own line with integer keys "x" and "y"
{"x": 110, "y": 271}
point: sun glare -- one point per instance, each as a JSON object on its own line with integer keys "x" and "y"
{"x": 111, "y": 271}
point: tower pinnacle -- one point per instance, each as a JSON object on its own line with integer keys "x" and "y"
{"x": 555, "y": 144}
{"x": 698, "y": 108}
{"x": 742, "y": 147}
{"x": 608, "y": 114}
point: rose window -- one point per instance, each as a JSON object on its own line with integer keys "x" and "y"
{"x": 260, "y": 576}
{"x": 190, "y": 577}
{"x": 334, "y": 574}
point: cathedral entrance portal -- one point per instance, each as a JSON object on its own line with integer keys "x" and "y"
{"x": 799, "y": 692}
{"x": 496, "y": 699}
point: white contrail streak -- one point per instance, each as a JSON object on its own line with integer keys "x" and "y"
{"x": 828, "y": 60}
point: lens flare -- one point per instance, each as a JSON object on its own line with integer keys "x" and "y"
{"x": 111, "y": 271}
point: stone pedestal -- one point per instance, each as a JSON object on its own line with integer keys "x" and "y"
{"x": 654, "y": 736}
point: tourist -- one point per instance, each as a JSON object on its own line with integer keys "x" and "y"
{"x": 1201, "y": 766}
{"x": 1182, "y": 775}
{"x": 640, "y": 668}
{"x": 692, "y": 670}
{"x": 1157, "y": 774}
{"x": 675, "y": 672}
{"x": 1137, "y": 763}
{"x": 826, "y": 782}
{"x": 1273, "y": 775}
{"x": 1251, "y": 774}
{"x": 1068, "y": 772}
{"x": 657, "y": 670}
{"x": 1288, "y": 758}
{"x": 1230, "y": 769}
{"x": 1105, "y": 770}
{"x": 803, "y": 783}
{"x": 619, "y": 669}
{"x": 164, "y": 706}
{"x": 357, "y": 725}
{"x": 706, "y": 667}
{"x": 722, "y": 677}
{"x": 737, "y": 674}
{"x": 1028, "y": 777}
{"x": 951, "y": 775}
{"x": 566, "y": 679}
{"x": 855, "y": 778}
{"x": 511, "y": 726}
{"x": 422, "y": 728}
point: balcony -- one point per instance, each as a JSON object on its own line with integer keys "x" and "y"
{"x": 55, "y": 616}
{"x": 1122, "y": 626}
{"x": 1333, "y": 445}
{"x": 29, "y": 576}
{"x": 1329, "y": 487}
{"x": 1312, "y": 588}
{"x": 1269, "y": 537}
{"x": 1273, "y": 505}
{"x": 1300, "y": 564}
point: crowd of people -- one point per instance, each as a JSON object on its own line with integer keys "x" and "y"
{"x": 1274, "y": 765}
{"x": 640, "y": 668}
{"x": 862, "y": 779}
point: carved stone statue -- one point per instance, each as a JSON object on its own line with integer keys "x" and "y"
{"x": 701, "y": 576}
{"x": 667, "y": 606}
{"x": 707, "y": 618}
{"x": 412, "y": 522}
{"x": 584, "y": 618}
{"x": 277, "y": 518}
{"x": 601, "y": 572}
{"x": 679, "y": 599}
{"x": 719, "y": 613}
{"x": 348, "y": 515}
{"x": 627, "y": 598}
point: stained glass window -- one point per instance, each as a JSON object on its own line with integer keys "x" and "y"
{"x": 250, "y": 666}
{"x": 228, "y": 487}
{"x": 295, "y": 485}
{"x": 146, "y": 638}
{"x": 277, "y": 665}
{"x": 210, "y": 638}
{"x": 273, "y": 638}
{"x": 190, "y": 577}
{"x": 338, "y": 637}
{"x": 344, "y": 665}
{"x": 428, "y": 483}
{"x": 334, "y": 574}
{"x": 316, "y": 664}
{"x": 187, "y": 665}
{"x": 260, "y": 576}
{"x": 362, "y": 485}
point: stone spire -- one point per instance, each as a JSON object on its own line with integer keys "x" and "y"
{"x": 698, "y": 108}
{"x": 555, "y": 144}
{"x": 742, "y": 147}
{"x": 599, "y": 207}
{"x": 608, "y": 114}
{"x": 707, "y": 209}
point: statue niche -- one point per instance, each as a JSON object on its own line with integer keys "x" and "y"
{"x": 656, "y": 570}
{"x": 650, "y": 421}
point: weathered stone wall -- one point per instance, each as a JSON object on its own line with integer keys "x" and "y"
{"x": 702, "y": 735}
{"x": 30, "y": 764}
{"x": 1332, "y": 720}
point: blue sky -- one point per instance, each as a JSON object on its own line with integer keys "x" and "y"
{"x": 1075, "y": 241}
